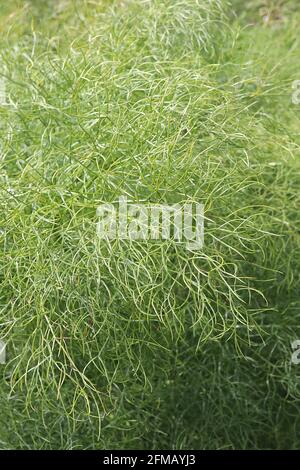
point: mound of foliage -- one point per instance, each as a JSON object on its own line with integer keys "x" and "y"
{"x": 145, "y": 344}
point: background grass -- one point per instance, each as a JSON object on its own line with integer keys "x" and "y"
{"x": 142, "y": 344}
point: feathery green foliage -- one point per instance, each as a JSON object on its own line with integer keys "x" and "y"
{"x": 144, "y": 344}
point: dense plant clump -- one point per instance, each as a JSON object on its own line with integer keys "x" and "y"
{"x": 143, "y": 344}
